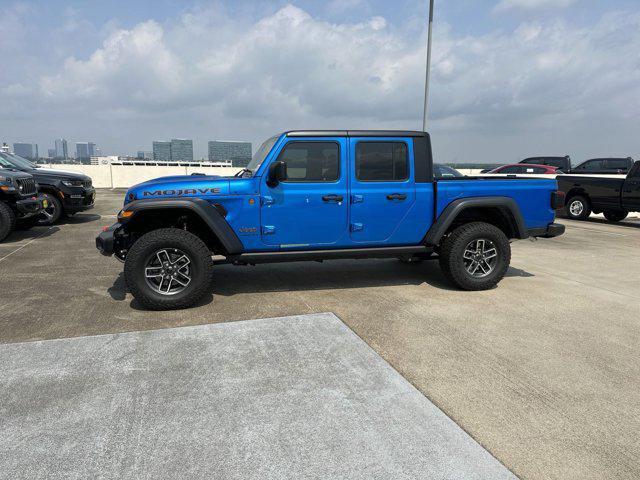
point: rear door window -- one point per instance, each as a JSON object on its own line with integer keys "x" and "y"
{"x": 617, "y": 163}
{"x": 382, "y": 161}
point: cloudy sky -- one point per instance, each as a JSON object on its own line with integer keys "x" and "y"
{"x": 511, "y": 78}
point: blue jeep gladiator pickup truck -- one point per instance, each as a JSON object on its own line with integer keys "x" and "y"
{"x": 318, "y": 195}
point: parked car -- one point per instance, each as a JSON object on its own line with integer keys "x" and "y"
{"x": 67, "y": 192}
{"x": 524, "y": 169}
{"x": 561, "y": 163}
{"x": 614, "y": 197}
{"x": 320, "y": 195}
{"x": 19, "y": 200}
{"x": 605, "y": 165}
{"x": 445, "y": 171}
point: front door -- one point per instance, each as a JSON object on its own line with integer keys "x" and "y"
{"x": 631, "y": 189}
{"x": 382, "y": 190}
{"x": 309, "y": 208}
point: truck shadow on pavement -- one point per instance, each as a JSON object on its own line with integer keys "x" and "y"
{"x": 231, "y": 280}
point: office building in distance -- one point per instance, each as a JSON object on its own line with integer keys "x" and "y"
{"x": 26, "y": 150}
{"x": 182, "y": 150}
{"x": 61, "y": 149}
{"x": 162, "y": 151}
{"x": 239, "y": 153}
{"x": 85, "y": 150}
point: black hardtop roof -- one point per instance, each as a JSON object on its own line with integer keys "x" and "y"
{"x": 355, "y": 133}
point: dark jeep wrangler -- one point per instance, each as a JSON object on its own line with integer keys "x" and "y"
{"x": 19, "y": 200}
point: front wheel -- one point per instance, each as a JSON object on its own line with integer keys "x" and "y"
{"x": 475, "y": 256}
{"x": 168, "y": 269}
{"x": 615, "y": 215}
{"x": 52, "y": 213}
{"x": 7, "y": 220}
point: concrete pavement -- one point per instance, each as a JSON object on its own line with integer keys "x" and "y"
{"x": 543, "y": 371}
{"x": 295, "y": 397}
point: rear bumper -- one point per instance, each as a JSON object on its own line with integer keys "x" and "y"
{"x": 550, "y": 231}
{"x": 30, "y": 206}
{"x": 105, "y": 240}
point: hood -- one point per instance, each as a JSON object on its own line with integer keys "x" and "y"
{"x": 179, "y": 186}
{"x": 14, "y": 174}
{"x": 59, "y": 174}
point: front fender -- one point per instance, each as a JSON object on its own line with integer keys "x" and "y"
{"x": 206, "y": 211}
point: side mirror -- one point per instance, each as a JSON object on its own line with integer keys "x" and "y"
{"x": 277, "y": 173}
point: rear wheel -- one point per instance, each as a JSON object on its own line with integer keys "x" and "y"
{"x": 168, "y": 269}
{"x": 51, "y": 214}
{"x": 7, "y": 221}
{"x": 578, "y": 208}
{"x": 475, "y": 256}
{"x": 615, "y": 215}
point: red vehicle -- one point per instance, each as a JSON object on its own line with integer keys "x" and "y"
{"x": 527, "y": 168}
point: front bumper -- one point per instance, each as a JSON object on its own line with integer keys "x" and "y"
{"x": 78, "y": 199}
{"x": 550, "y": 231}
{"x": 31, "y": 206}
{"x": 105, "y": 240}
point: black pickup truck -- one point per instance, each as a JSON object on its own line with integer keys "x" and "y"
{"x": 615, "y": 197}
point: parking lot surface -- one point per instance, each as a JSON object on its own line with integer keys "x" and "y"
{"x": 543, "y": 371}
{"x": 292, "y": 397}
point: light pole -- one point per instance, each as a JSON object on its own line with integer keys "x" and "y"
{"x": 428, "y": 73}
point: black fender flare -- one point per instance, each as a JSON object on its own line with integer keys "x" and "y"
{"x": 451, "y": 212}
{"x": 205, "y": 210}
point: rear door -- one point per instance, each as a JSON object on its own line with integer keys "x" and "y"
{"x": 309, "y": 209}
{"x": 382, "y": 189}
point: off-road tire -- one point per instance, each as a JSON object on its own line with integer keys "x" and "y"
{"x": 615, "y": 215}
{"x": 56, "y": 211}
{"x": 190, "y": 244}
{"x": 7, "y": 221}
{"x": 584, "y": 213}
{"x": 454, "y": 245}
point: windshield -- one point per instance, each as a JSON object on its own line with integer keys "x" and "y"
{"x": 14, "y": 161}
{"x": 261, "y": 153}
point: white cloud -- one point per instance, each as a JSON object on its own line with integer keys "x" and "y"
{"x": 505, "y": 5}
{"x": 209, "y": 76}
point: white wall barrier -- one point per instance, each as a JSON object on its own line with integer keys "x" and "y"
{"x": 124, "y": 176}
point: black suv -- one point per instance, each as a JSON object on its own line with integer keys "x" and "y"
{"x": 19, "y": 200}
{"x": 66, "y": 192}
{"x": 605, "y": 165}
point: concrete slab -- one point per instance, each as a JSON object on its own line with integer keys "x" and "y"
{"x": 291, "y": 397}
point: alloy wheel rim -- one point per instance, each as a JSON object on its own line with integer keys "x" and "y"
{"x": 576, "y": 207}
{"x": 168, "y": 271}
{"x": 48, "y": 213}
{"x": 480, "y": 257}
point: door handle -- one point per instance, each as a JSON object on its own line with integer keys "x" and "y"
{"x": 397, "y": 196}
{"x": 332, "y": 198}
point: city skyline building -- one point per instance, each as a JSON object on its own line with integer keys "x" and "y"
{"x": 61, "y": 148}
{"x": 238, "y": 152}
{"x": 162, "y": 150}
{"x": 26, "y": 150}
{"x": 85, "y": 150}
{"x": 181, "y": 150}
